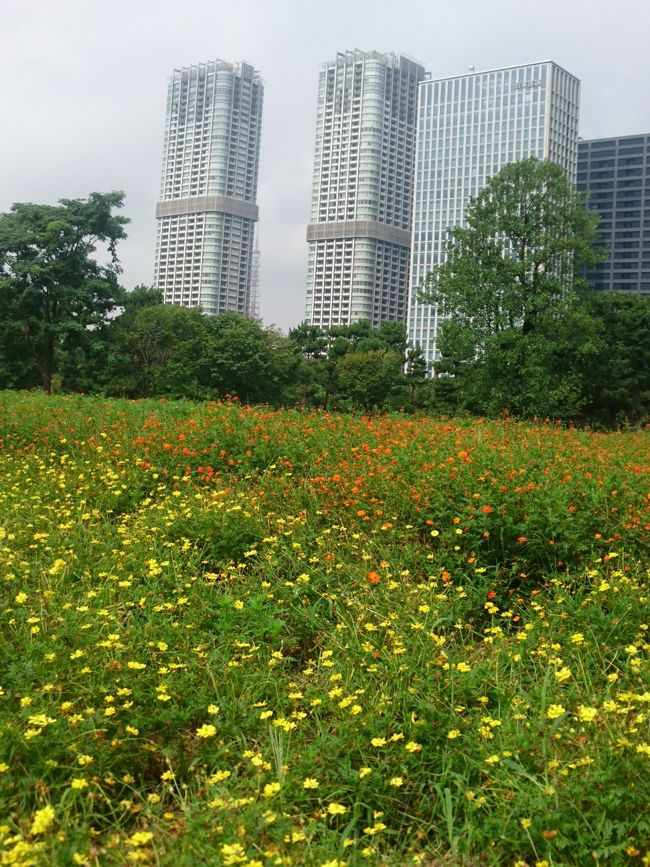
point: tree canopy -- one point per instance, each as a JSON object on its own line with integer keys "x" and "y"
{"x": 511, "y": 278}
{"x": 521, "y": 255}
{"x": 52, "y": 287}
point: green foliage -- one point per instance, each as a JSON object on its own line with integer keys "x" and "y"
{"x": 157, "y": 350}
{"x": 247, "y": 360}
{"x": 52, "y": 290}
{"x": 521, "y": 335}
{"x": 368, "y": 378}
{"x": 518, "y": 261}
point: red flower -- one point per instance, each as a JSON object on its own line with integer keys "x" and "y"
{"x": 373, "y": 577}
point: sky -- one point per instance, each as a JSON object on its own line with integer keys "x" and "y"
{"x": 84, "y": 86}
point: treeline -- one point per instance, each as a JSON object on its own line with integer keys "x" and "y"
{"x": 153, "y": 349}
{"x": 591, "y": 366}
{"x": 520, "y": 334}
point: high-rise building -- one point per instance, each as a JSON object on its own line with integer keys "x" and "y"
{"x": 616, "y": 171}
{"x": 360, "y": 229}
{"x": 207, "y": 210}
{"x": 469, "y": 126}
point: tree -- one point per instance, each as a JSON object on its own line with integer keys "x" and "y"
{"x": 247, "y": 360}
{"x": 520, "y": 257}
{"x": 608, "y": 337}
{"x": 157, "y": 350}
{"x": 52, "y": 290}
{"x": 368, "y": 378}
{"x": 510, "y": 276}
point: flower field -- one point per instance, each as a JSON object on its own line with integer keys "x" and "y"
{"x": 239, "y": 636}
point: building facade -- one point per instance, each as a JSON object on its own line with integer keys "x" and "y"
{"x": 207, "y": 209}
{"x": 616, "y": 172}
{"x": 359, "y": 231}
{"x": 469, "y": 126}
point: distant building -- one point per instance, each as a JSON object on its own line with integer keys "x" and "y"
{"x": 469, "y": 126}
{"x": 616, "y": 171}
{"x": 207, "y": 210}
{"x": 360, "y": 230}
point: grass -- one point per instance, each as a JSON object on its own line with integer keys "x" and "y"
{"x": 238, "y": 636}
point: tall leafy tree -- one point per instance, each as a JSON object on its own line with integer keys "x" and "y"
{"x": 521, "y": 254}
{"x": 52, "y": 286}
{"x": 510, "y": 276}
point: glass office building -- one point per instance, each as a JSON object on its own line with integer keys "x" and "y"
{"x": 207, "y": 210}
{"x": 359, "y": 231}
{"x": 468, "y": 127}
{"x": 616, "y": 172}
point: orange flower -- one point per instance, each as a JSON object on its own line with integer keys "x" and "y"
{"x": 373, "y": 577}
{"x": 487, "y": 509}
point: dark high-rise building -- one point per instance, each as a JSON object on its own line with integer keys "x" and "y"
{"x": 616, "y": 171}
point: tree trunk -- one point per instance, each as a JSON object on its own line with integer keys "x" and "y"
{"x": 48, "y": 362}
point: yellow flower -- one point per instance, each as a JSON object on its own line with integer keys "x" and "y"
{"x": 271, "y": 789}
{"x": 554, "y": 711}
{"x": 454, "y": 733}
{"x": 562, "y": 674}
{"x": 526, "y": 823}
{"x": 265, "y": 714}
{"x": 378, "y": 742}
{"x": 141, "y": 838}
{"x": 42, "y": 820}
{"x": 364, "y": 772}
{"x": 213, "y": 708}
{"x": 238, "y": 605}
{"x": 396, "y": 782}
{"x": 206, "y": 731}
{"x": 335, "y": 809}
{"x": 464, "y": 667}
{"x": 492, "y": 760}
{"x": 587, "y": 714}
{"x": 310, "y": 783}
{"x": 218, "y": 776}
{"x": 413, "y": 747}
{"x": 78, "y": 783}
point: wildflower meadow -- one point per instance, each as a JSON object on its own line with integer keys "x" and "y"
{"x": 240, "y": 636}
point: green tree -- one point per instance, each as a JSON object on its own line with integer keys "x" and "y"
{"x": 245, "y": 359}
{"x": 157, "y": 350}
{"x": 607, "y": 341}
{"x": 510, "y": 276}
{"x": 521, "y": 255}
{"x": 52, "y": 289}
{"x": 368, "y": 378}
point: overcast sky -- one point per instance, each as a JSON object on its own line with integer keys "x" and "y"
{"x": 84, "y": 86}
